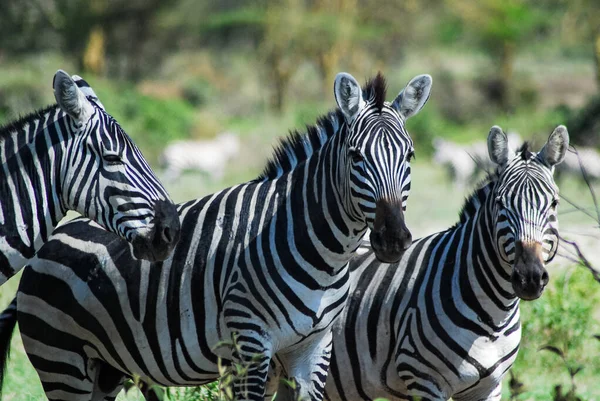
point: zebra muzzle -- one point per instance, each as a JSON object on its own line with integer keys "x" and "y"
{"x": 158, "y": 244}
{"x": 529, "y": 276}
{"x": 390, "y": 237}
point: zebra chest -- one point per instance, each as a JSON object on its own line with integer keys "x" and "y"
{"x": 285, "y": 316}
{"x": 448, "y": 359}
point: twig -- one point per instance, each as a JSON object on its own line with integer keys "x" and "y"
{"x": 583, "y": 260}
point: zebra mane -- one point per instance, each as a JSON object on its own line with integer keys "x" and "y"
{"x": 298, "y": 147}
{"x": 17, "y": 124}
{"x": 474, "y": 201}
{"x": 525, "y": 151}
{"x": 375, "y": 91}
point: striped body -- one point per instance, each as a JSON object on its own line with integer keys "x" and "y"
{"x": 444, "y": 321}
{"x": 266, "y": 261}
{"x": 53, "y": 162}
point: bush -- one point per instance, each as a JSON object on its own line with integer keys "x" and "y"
{"x": 562, "y": 318}
{"x": 151, "y": 122}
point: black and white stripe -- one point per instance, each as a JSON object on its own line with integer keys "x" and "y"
{"x": 444, "y": 321}
{"x": 265, "y": 261}
{"x": 75, "y": 156}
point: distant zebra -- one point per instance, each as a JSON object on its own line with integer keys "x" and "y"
{"x": 444, "y": 321}
{"x": 578, "y": 158}
{"x": 464, "y": 163}
{"x": 207, "y": 156}
{"x": 266, "y": 261}
{"x": 75, "y": 156}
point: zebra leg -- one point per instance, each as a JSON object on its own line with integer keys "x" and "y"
{"x": 306, "y": 370}
{"x": 274, "y": 377}
{"x": 250, "y": 366}
{"x": 107, "y": 383}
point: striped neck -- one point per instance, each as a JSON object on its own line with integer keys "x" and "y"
{"x": 31, "y": 152}
{"x": 325, "y": 234}
{"x": 486, "y": 277}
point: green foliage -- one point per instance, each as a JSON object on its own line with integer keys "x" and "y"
{"x": 245, "y": 16}
{"x": 564, "y": 313}
{"x": 495, "y": 22}
{"x": 151, "y": 122}
{"x": 562, "y": 322}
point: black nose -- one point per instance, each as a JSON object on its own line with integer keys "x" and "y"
{"x": 167, "y": 228}
{"x": 390, "y": 237}
{"x": 529, "y": 276}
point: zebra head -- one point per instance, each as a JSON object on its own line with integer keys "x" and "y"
{"x": 524, "y": 209}
{"x": 376, "y": 157}
{"x": 106, "y": 178}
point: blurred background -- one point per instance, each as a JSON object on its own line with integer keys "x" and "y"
{"x": 234, "y": 76}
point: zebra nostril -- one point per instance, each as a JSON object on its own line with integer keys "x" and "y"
{"x": 166, "y": 235}
{"x": 545, "y": 278}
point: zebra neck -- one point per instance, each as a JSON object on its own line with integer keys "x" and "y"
{"x": 323, "y": 230}
{"x": 31, "y": 205}
{"x": 489, "y": 292}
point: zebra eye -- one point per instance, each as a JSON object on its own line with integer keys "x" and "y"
{"x": 355, "y": 156}
{"x": 410, "y": 156}
{"x": 499, "y": 202}
{"x": 112, "y": 158}
{"x": 554, "y": 204}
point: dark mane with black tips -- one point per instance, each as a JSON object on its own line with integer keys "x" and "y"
{"x": 477, "y": 196}
{"x": 298, "y": 147}
{"x": 524, "y": 151}
{"x": 17, "y": 124}
{"x": 375, "y": 91}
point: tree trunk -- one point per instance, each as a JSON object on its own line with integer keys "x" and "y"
{"x": 281, "y": 81}
{"x": 597, "y": 57}
{"x": 93, "y": 57}
{"x": 507, "y": 57}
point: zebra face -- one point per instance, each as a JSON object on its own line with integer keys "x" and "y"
{"x": 106, "y": 178}
{"x": 525, "y": 209}
{"x": 377, "y": 156}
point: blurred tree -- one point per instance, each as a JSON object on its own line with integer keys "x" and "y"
{"x": 93, "y": 57}
{"x": 281, "y": 47}
{"x": 328, "y": 35}
{"x": 127, "y": 32}
{"x": 500, "y": 26}
{"x": 25, "y": 27}
{"x": 581, "y": 20}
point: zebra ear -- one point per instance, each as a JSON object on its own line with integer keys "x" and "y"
{"x": 412, "y": 98}
{"x": 87, "y": 90}
{"x": 70, "y": 98}
{"x": 348, "y": 95}
{"x": 498, "y": 146}
{"x": 555, "y": 150}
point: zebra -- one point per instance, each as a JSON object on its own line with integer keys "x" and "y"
{"x": 207, "y": 156}
{"x": 464, "y": 162}
{"x": 74, "y": 156}
{"x": 581, "y": 162}
{"x": 267, "y": 261}
{"x": 444, "y": 321}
